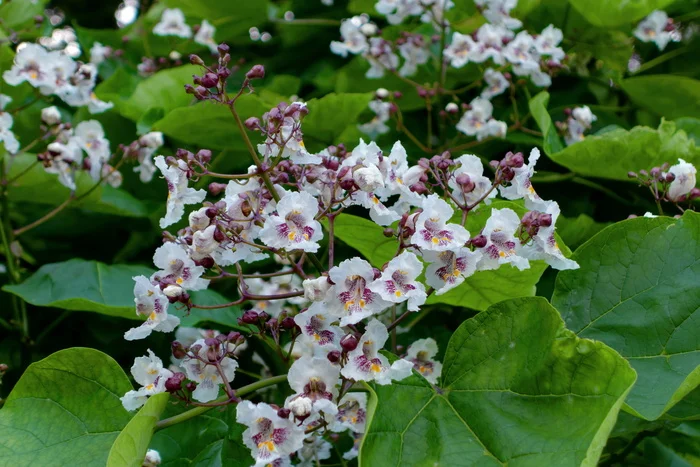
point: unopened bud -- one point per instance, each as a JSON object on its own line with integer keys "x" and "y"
{"x": 257, "y": 72}
{"x": 250, "y": 317}
{"x": 216, "y": 188}
{"x": 178, "y": 350}
{"x": 288, "y": 323}
{"x": 632, "y": 174}
{"x": 174, "y": 383}
{"x": 670, "y": 177}
{"x": 381, "y": 93}
{"x": 349, "y": 342}
{"x": 253, "y": 123}
{"x": 452, "y": 108}
{"x": 283, "y": 413}
{"x": 479, "y": 241}
{"x": 333, "y": 356}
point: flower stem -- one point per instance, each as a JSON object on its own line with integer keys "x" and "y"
{"x": 184, "y": 416}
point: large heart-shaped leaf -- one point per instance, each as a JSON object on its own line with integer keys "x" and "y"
{"x": 165, "y": 90}
{"x": 64, "y": 410}
{"x": 637, "y": 291}
{"x": 666, "y": 95}
{"x": 82, "y": 285}
{"x": 131, "y": 445}
{"x": 517, "y": 389}
{"x": 615, "y": 153}
{"x": 608, "y": 13}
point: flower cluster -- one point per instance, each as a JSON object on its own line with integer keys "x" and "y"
{"x": 331, "y": 325}
{"x": 657, "y": 28}
{"x": 578, "y": 122}
{"x": 56, "y": 73}
{"x": 674, "y": 184}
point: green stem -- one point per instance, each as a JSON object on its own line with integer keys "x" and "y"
{"x": 661, "y": 59}
{"x": 184, "y": 416}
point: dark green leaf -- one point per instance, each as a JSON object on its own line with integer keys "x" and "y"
{"x": 637, "y": 290}
{"x": 508, "y": 370}
{"x": 538, "y": 107}
{"x": 16, "y": 14}
{"x": 131, "y": 445}
{"x": 65, "y": 410}
{"x": 330, "y": 116}
{"x": 575, "y": 231}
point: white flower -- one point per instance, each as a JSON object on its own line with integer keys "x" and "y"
{"x": 172, "y": 23}
{"x": 684, "y": 182}
{"x": 414, "y": 53}
{"x": 432, "y": 229}
{"x": 377, "y": 126}
{"x": 580, "y": 121}
{"x": 399, "y": 281}
{"x": 497, "y": 12}
{"x": 91, "y": 138}
{"x": 521, "y": 185}
{"x": 150, "y": 374}
{"x": 150, "y": 302}
{"x": 315, "y": 325}
{"x": 268, "y": 436}
{"x": 365, "y": 363}
{"x": 99, "y": 53}
{"x": 501, "y": 245}
{"x": 4, "y": 100}
{"x": 300, "y": 406}
{"x": 198, "y": 219}
{"x": 496, "y": 83}
{"x": 474, "y": 121}
{"x": 207, "y": 376}
{"x": 352, "y": 413}
{"x": 294, "y": 226}
{"x": 521, "y": 51}
{"x": 448, "y": 269}
{"x": 152, "y": 459}
{"x": 148, "y": 144}
{"x": 544, "y": 243}
{"x": 6, "y": 135}
{"x": 653, "y": 29}
{"x": 51, "y": 115}
{"x": 460, "y": 51}
{"x": 176, "y": 267}
{"x": 316, "y": 289}
{"x": 314, "y": 377}
{"x": 315, "y": 449}
{"x": 398, "y": 10}
{"x": 64, "y": 159}
{"x": 354, "y": 40}
{"x": 30, "y": 65}
{"x": 179, "y": 194}
{"x": 205, "y": 36}
{"x": 471, "y": 165}
{"x": 368, "y": 179}
{"x": 422, "y": 354}
{"x": 380, "y": 57}
{"x": 584, "y": 116}
{"x": 490, "y": 42}
{"x": 351, "y": 299}
{"x": 203, "y": 243}
{"x": 547, "y": 42}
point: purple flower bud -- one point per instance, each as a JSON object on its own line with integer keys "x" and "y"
{"x": 174, "y": 383}
{"x": 178, "y": 350}
{"x": 288, "y": 323}
{"x": 643, "y": 172}
{"x": 347, "y": 184}
{"x": 694, "y": 193}
{"x": 216, "y": 189}
{"x": 196, "y": 60}
{"x": 257, "y": 72}
{"x": 223, "y": 49}
{"x": 203, "y": 156}
{"x": 670, "y": 177}
{"x": 419, "y": 188}
{"x": 250, "y": 317}
{"x": 272, "y": 323}
{"x": 398, "y": 95}
{"x": 283, "y": 413}
{"x": 514, "y": 160}
{"x": 632, "y": 174}
{"x": 209, "y": 80}
{"x": 189, "y": 89}
{"x": 349, "y": 342}
{"x": 263, "y": 316}
{"x": 389, "y": 232}
{"x": 479, "y": 241}
{"x": 191, "y": 386}
{"x": 655, "y": 172}
{"x": 333, "y": 356}
{"x": 466, "y": 183}
{"x": 219, "y": 236}
{"x": 545, "y": 220}
{"x": 422, "y": 93}
{"x": 253, "y": 123}
{"x": 233, "y": 336}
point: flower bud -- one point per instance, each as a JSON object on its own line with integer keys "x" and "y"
{"x": 452, "y": 108}
{"x": 288, "y": 323}
{"x": 479, "y": 241}
{"x": 173, "y": 291}
{"x": 203, "y": 156}
{"x": 252, "y": 123}
{"x": 694, "y": 193}
{"x": 514, "y": 160}
{"x": 257, "y": 72}
{"x": 219, "y": 235}
{"x": 388, "y": 232}
{"x": 333, "y": 356}
{"x": 51, "y": 115}
{"x": 250, "y": 317}
{"x": 381, "y": 93}
{"x": 368, "y": 179}
{"x": 670, "y": 177}
{"x": 283, "y": 413}
{"x": 191, "y": 386}
{"x": 300, "y": 407}
{"x": 465, "y": 182}
{"x": 632, "y": 174}
{"x": 209, "y": 80}
{"x": 349, "y": 342}
{"x": 178, "y": 350}
{"x": 196, "y": 60}
{"x": 174, "y": 383}
{"x": 223, "y": 49}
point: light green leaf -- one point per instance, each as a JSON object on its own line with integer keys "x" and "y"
{"x": 165, "y": 90}
{"x": 64, "y": 410}
{"x": 104, "y": 199}
{"x": 82, "y": 285}
{"x": 131, "y": 445}
{"x": 513, "y": 380}
{"x": 16, "y": 14}
{"x": 211, "y": 125}
{"x": 637, "y": 290}
{"x": 538, "y": 107}
{"x": 691, "y": 126}
{"x": 232, "y": 19}
{"x": 614, "y": 153}
{"x": 666, "y": 95}
{"x": 332, "y": 114}
{"x": 611, "y": 13}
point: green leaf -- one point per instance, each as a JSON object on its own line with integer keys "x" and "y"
{"x": 232, "y": 19}
{"x": 330, "y": 116}
{"x": 366, "y": 237}
{"x": 213, "y": 439}
{"x": 211, "y": 125}
{"x": 610, "y": 13}
{"x": 131, "y": 445}
{"x": 637, "y": 290}
{"x": 82, "y": 285}
{"x": 165, "y": 90}
{"x": 691, "y": 126}
{"x": 612, "y": 154}
{"x": 16, "y": 14}
{"x": 576, "y": 231}
{"x": 513, "y": 381}
{"x": 104, "y": 199}
{"x": 538, "y": 107}
{"x": 64, "y": 410}
{"x": 666, "y": 95}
